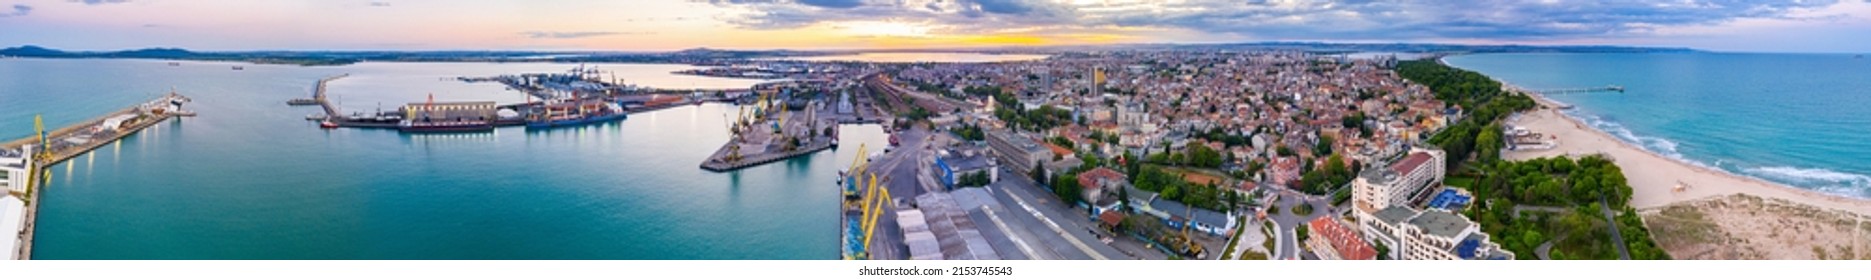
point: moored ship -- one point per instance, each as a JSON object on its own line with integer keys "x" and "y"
{"x": 575, "y": 113}
{"x": 432, "y": 117}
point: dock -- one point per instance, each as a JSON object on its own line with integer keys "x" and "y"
{"x": 318, "y": 96}
{"x": 72, "y": 141}
{"x": 753, "y": 141}
{"x": 1609, "y": 88}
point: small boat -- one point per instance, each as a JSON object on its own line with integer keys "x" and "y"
{"x": 240, "y": 68}
{"x": 327, "y": 125}
{"x": 175, "y": 64}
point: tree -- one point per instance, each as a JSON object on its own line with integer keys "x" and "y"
{"x": 1383, "y": 252}
{"x": 1066, "y": 186}
{"x": 1489, "y": 144}
{"x": 1172, "y": 192}
{"x": 1532, "y": 239}
{"x": 1123, "y": 199}
{"x": 1234, "y": 200}
{"x": 1038, "y": 172}
{"x": 1324, "y": 146}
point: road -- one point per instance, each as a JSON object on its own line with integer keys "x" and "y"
{"x": 1286, "y": 223}
{"x": 1624, "y": 253}
{"x": 898, "y": 171}
{"x": 1048, "y": 224}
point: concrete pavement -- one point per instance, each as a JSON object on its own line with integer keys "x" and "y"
{"x": 1286, "y": 223}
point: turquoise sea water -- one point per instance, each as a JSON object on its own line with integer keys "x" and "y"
{"x": 1798, "y": 119}
{"x": 251, "y": 179}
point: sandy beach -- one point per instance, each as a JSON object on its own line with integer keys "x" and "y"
{"x": 1653, "y": 177}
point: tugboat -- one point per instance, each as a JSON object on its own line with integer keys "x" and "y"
{"x": 327, "y": 124}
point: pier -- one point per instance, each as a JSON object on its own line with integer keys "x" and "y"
{"x": 754, "y": 140}
{"x": 1609, "y": 88}
{"x": 50, "y": 148}
{"x": 318, "y": 97}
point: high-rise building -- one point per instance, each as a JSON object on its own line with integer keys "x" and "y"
{"x": 1403, "y": 181}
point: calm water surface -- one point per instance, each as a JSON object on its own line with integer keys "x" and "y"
{"x": 1798, "y": 119}
{"x": 251, "y": 179}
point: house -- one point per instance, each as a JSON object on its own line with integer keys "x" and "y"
{"x": 1284, "y": 171}
{"x": 1099, "y": 181}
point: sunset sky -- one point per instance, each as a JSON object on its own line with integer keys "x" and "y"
{"x": 659, "y": 25}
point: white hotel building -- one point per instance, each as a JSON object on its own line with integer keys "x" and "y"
{"x": 1382, "y": 202}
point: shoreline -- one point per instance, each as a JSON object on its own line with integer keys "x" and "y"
{"x": 1654, "y": 177}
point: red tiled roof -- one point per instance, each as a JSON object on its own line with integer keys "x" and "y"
{"x": 1090, "y": 178}
{"x": 1111, "y": 218}
{"x": 1057, "y": 150}
{"x": 1410, "y": 163}
{"x": 1345, "y": 241}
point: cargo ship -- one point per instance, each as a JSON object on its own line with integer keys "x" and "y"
{"x": 447, "y": 117}
{"x": 445, "y": 126}
{"x": 575, "y": 113}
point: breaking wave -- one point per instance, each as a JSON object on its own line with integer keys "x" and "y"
{"x": 1820, "y": 179}
{"x": 1817, "y": 179}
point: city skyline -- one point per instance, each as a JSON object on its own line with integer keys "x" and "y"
{"x": 1744, "y": 26}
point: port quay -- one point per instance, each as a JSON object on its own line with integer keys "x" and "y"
{"x": 48, "y": 148}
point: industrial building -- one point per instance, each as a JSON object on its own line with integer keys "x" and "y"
{"x": 1016, "y": 150}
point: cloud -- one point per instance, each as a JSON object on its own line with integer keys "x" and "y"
{"x": 379, "y": 4}
{"x": 960, "y": 16}
{"x": 571, "y": 35}
{"x": 1288, "y": 19}
{"x": 100, "y": 2}
{"x": 18, "y": 10}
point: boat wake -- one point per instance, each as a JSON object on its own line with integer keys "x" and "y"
{"x": 1817, "y": 179}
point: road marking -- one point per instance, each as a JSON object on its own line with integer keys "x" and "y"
{"x": 1056, "y": 229}
{"x": 1017, "y": 241}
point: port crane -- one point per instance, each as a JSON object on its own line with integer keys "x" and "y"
{"x": 862, "y": 210}
{"x": 873, "y": 209}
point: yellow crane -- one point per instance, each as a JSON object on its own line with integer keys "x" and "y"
{"x": 40, "y": 154}
{"x": 873, "y": 210}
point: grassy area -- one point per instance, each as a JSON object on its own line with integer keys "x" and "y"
{"x": 1267, "y": 244}
{"x": 1252, "y": 255}
{"x": 1463, "y": 182}
{"x": 1303, "y": 209}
